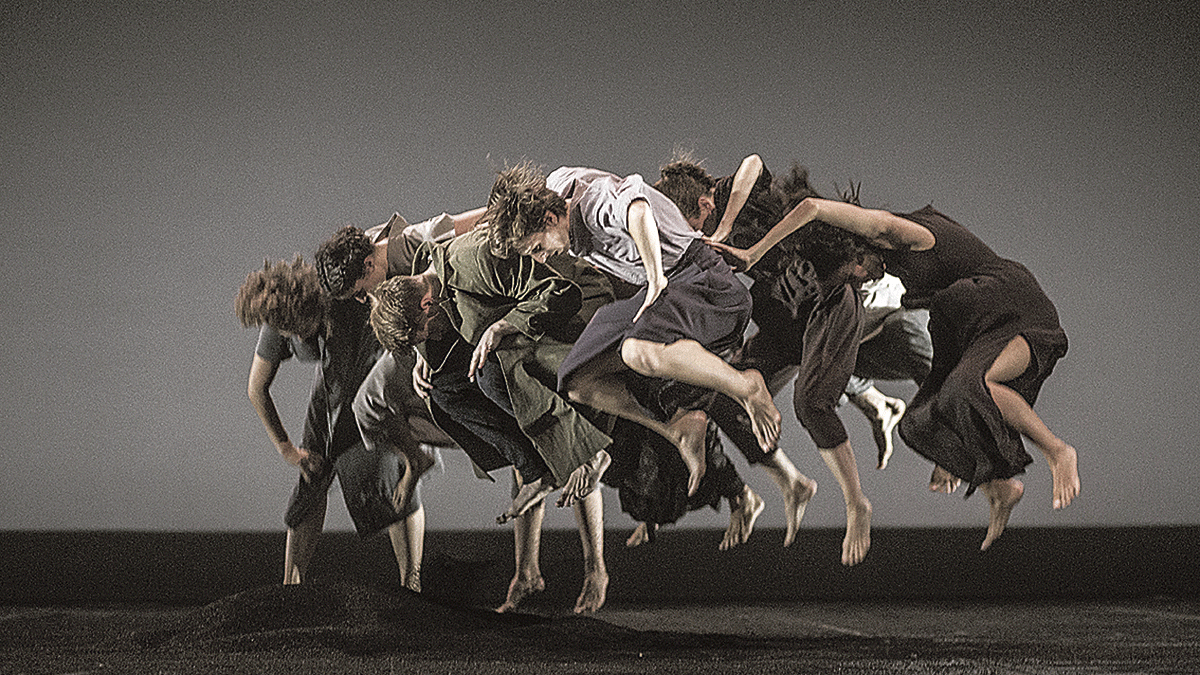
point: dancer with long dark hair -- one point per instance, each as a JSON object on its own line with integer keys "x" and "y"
{"x": 996, "y": 338}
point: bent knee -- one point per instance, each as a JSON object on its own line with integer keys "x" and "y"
{"x": 813, "y": 416}
{"x": 642, "y": 357}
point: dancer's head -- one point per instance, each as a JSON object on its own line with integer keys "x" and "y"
{"x": 404, "y": 311}
{"x": 686, "y": 183}
{"x": 839, "y": 256}
{"x": 347, "y": 265}
{"x": 285, "y": 296}
{"x": 525, "y": 217}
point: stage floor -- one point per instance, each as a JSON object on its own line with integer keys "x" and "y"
{"x": 1097, "y": 600}
{"x": 274, "y": 630}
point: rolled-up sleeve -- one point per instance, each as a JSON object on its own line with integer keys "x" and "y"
{"x": 830, "y": 350}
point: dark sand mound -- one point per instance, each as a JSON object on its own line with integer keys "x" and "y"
{"x": 360, "y": 620}
{"x": 336, "y": 617}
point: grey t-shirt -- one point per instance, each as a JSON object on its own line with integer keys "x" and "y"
{"x": 599, "y": 220}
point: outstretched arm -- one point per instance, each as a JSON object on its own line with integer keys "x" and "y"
{"x": 262, "y": 374}
{"x": 467, "y": 220}
{"x": 881, "y": 228}
{"x": 644, "y": 231}
{"x": 743, "y": 181}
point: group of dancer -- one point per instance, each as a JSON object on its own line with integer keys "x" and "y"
{"x": 585, "y": 328}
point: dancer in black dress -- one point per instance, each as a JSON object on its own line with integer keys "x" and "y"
{"x": 996, "y": 337}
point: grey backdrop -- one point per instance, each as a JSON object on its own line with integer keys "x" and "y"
{"x": 154, "y": 153}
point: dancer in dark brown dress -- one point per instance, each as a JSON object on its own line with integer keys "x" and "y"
{"x": 996, "y": 337}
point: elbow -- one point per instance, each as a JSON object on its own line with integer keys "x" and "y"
{"x": 807, "y": 210}
{"x": 753, "y": 163}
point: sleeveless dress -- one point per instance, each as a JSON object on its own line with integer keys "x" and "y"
{"x": 978, "y": 302}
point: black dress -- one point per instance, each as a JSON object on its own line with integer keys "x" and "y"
{"x": 978, "y": 302}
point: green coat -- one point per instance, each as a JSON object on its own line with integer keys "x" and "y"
{"x": 549, "y": 305}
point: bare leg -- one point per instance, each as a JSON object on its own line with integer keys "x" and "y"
{"x": 1013, "y": 361}
{"x": 301, "y": 544}
{"x": 884, "y": 413}
{"x": 688, "y": 361}
{"x": 408, "y": 545}
{"x": 585, "y": 479}
{"x": 942, "y": 481}
{"x": 742, "y": 515}
{"x": 797, "y": 490}
{"x": 840, "y": 461}
{"x": 417, "y": 463}
{"x": 598, "y": 386}
{"x": 692, "y": 429}
{"x": 1002, "y": 496}
{"x": 527, "y": 543}
{"x": 644, "y": 533}
{"x": 589, "y": 515}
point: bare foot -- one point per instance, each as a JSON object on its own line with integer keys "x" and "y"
{"x": 644, "y": 533}
{"x": 412, "y": 580}
{"x": 689, "y": 432}
{"x": 529, "y": 496}
{"x": 942, "y": 481}
{"x": 519, "y": 589}
{"x": 858, "y": 533}
{"x": 1003, "y": 495}
{"x": 741, "y": 518}
{"x": 890, "y": 416}
{"x": 595, "y": 589}
{"x": 416, "y": 464}
{"x": 884, "y": 413}
{"x": 584, "y": 479}
{"x": 795, "y": 501}
{"x": 764, "y": 417}
{"x": 1064, "y": 467}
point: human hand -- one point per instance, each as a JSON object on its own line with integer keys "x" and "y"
{"x": 739, "y": 259}
{"x": 421, "y": 382}
{"x": 309, "y": 463}
{"x": 487, "y": 342}
{"x": 653, "y": 290}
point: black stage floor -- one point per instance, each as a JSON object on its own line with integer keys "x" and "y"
{"x": 1063, "y": 600}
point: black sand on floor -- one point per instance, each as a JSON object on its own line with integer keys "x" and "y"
{"x": 209, "y": 603}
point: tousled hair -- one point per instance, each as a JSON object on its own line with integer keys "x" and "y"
{"x": 397, "y": 317}
{"x": 285, "y": 296}
{"x": 829, "y": 247}
{"x": 826, "y": 246}
{"x": 684, "y": 182}
{"x": 517, "y": 208}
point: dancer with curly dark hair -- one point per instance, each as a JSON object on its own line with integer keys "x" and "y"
{"x": 298, "y": 320}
